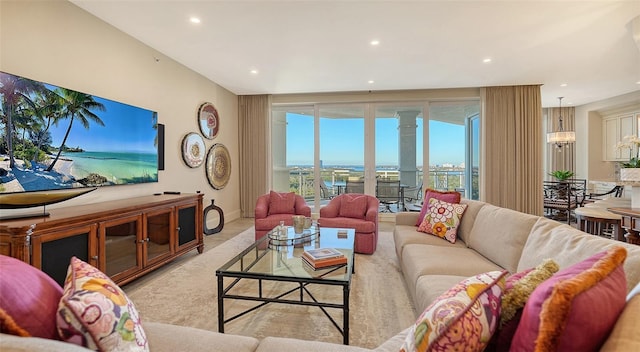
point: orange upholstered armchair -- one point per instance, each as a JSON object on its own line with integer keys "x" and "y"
{"x": 355, "y": 211}
{"x": 275, "y": 207}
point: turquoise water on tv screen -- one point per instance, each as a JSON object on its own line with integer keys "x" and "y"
{"x": 117, "y": 167}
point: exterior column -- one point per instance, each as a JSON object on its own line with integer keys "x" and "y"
{"x": 279, "y": 151}
{"x": 407, "y": 146}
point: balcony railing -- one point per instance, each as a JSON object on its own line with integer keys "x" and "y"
{"x": 301, "y": 180}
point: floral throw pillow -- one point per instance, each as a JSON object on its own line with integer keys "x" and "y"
{"x": 442, "y": 219}
{"x": 95, "y": 313}
{"x": 461, "y": 319}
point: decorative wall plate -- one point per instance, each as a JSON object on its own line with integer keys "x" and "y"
{"x": 193, "y": 149}
{"x": 208, "y": 120}
{"x": 218, "y": 166}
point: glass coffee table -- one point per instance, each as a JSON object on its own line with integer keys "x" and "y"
{"x": 276, "y": 258}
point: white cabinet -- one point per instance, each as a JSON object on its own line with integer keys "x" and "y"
{"x": 614, "y": 128}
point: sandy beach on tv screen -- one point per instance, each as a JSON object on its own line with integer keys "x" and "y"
{"x": 21, "y": 178}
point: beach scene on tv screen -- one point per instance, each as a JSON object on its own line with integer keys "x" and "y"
{"x": 58, "y": 138}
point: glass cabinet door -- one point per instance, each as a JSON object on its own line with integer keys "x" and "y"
{"x": 122, "y": 246}
{"x": 159, "y": 229}
{"x": 52, "y": 252}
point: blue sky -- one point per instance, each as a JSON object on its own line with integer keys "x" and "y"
{"x": 126, "y": 129}
{"x": 342, "y": 141}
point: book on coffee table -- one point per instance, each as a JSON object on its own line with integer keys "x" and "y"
{"x": 324, "y": 257}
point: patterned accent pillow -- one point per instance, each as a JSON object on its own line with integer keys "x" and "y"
{"x": 95, "y": 313}
{"x": 447, "y": 196}
{"x": 353, "y": 206}
{"x": 282, "y": 203}
{"x": 575, "y": 309}
{"x": 442, "y": 219}
{"x": 518, "y": 288}
{"x": 463, "y": 318}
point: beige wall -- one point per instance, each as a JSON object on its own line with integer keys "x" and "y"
{"x": 589, "y": 162}
{"x": 58, "y": 43}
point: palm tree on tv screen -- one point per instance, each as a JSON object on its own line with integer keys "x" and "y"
{"x": 76, "y": 106}
{"x": 14, "y": 90}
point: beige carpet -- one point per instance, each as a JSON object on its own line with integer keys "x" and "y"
{"x": 185, "y": 293}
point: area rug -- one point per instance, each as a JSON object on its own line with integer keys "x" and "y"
{"x": 185, "y": 293}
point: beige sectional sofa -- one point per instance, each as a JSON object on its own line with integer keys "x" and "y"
{"x": 489, "y": 238}
{"x": 493, "y": 238}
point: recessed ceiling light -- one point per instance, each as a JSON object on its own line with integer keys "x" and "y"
{"x": 371, "y": 81}
{"x": 563, "y": 85}
{"x": 254, "y": 72}
{"x": 487, "y": 60}
{"x": 375, "y": 42}
{"x": 638, "y": 82}
{"x": 195, "y": 20}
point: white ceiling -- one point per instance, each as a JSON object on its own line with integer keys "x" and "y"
{"x": 324, "y": 46}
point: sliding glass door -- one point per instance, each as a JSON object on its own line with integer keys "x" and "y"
{"x": 342, "y": 148}
{"x": 450, "y": 135}
{"x": 323, "y": 150}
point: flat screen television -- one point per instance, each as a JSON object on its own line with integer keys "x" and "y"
{"x": 54, "y": 138}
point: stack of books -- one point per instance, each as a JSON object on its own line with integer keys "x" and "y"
{"x": 323, "y": 258}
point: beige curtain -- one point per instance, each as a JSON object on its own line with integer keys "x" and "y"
{"x": 561, "y": 158}
{"x": 512, "y": 153}
{"x": 253, "y": 113}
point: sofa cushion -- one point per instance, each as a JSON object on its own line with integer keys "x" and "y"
{"x": 419, "y": 260}
{"x": 466, "y": 315}
{"x": 442, "y": 219}
{"x": 430, "y": 287}
{"x": 360, "y": 225}
{"x": 95, "y": 313}
{"x": 282, "y": 203}
{"x": 279, "y": 344}
{"x": 500, "y": 234}
{"x": 10, "y": 343}
{"x": 576, "y": 309}
{"x": 624, "y": 336}
{"x": 469, "y": 218}
{"x": 29, "y": 297}
{"x": 567, "y": 246}
{"x": 447, "y": 196}
{"x": 353, "y": 206}
{"x": 170, "y": 338}
{"x": 408, "y": 234}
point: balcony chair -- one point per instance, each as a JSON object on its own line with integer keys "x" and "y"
{"x": 325, "y": 192}
{"x": 274, "y": 207}
{"x": 355, "y": 211}
{"x": 388, "y": 193}
{"x": 354, "y": 186}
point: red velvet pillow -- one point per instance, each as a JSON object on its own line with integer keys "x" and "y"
{"x": 282, "y": 203}
{"x": 29, "y": 297}
{"x": 447, "y": 196}
{"x": 353, "y": 206}
{"x": 575, "y": 309}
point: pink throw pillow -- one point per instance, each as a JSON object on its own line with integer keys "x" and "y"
{"x": 447, "y": 196}
{"x": 575, "y": 309}
{"x": 353, "y": 206}
{"x": 282, "y": 203}
{"x": 30, "y": 297}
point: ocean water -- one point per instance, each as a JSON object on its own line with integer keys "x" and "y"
{"x": 119, "y": 168}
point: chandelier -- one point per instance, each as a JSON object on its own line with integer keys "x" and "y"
{"x": 561, "y": 137}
